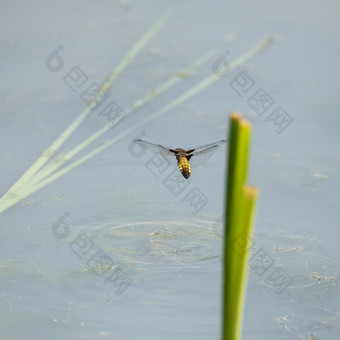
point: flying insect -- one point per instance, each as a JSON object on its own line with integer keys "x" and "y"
{"x": 183, "y": 158}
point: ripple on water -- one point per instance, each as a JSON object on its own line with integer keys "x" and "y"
{"x": 157, "y": 243}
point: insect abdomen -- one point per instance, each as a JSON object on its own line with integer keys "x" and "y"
{"x": 184, "y": 166}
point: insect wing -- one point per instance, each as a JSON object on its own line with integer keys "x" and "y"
{"x": 166, "y": 154}
{"x": 202, "y": 153}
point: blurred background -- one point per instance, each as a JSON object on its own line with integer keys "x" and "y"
{"x": 126, "y": 208}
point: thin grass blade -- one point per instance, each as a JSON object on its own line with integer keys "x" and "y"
{"x": 105, "y": 86}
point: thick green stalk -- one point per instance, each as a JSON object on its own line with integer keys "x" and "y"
{"x": 239, "y": 211}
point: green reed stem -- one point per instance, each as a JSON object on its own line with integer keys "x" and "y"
{"x": 240, "y": 209}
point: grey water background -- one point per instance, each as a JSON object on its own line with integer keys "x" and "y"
{"x": 169, "y": 253}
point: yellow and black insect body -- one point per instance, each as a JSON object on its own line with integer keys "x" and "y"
{"x": 184, "y": 166}
{"x": 183, "y": 158}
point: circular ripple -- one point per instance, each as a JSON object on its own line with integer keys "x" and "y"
{"x": 163, "y": 242}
